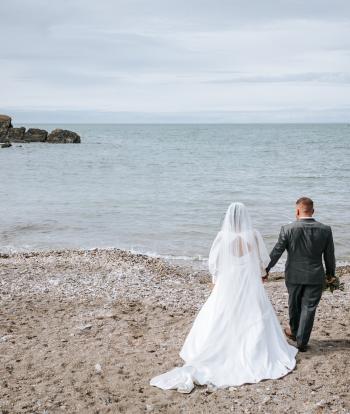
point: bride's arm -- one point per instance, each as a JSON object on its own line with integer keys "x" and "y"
{"x": 213, "y": 257}
{"x": 264, "y": 257}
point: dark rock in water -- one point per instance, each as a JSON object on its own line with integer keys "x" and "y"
{"x": 5, "y": 124}
{"x": 35, "y": 135}
{"x": 16, "y": 134}
{"x": 63, "y": 136}
{"x": 10, "y": 134}
{"x": 5, "y": 144}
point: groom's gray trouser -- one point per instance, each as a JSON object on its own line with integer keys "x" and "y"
{"x": 302, "y": 304}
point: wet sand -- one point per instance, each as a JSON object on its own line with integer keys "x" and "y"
{"x": 84, "y": 331}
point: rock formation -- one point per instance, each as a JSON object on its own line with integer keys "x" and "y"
{"x": 5, "y": 144}
{"x": 35, "y": 135}
{"x": 5, "y": 124}
{"x": 63, "y": 136}
{"x": 16, "y": 134}
{"x": 10, "y": 134}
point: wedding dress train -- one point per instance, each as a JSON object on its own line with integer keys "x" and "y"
{"x": 236, "y": 337}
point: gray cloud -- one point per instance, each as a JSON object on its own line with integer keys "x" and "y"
{"x": 318, "y": 77}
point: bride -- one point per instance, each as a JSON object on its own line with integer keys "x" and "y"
{"x": 236, "y": 337}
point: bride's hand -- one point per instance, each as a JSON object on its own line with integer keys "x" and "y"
{"x": 264, "y": 278}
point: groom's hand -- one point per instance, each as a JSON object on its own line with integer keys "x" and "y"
{"x": 264, "y": 278}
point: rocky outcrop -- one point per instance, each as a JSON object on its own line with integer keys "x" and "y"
{"x": 5, "y": 124}
{"x": 58, "y": 136}
{"x": 5, "y": 144}
{"x": 63, "y": 136}
{"x": 35, "y": 135}
{"x": 16, "y": 134}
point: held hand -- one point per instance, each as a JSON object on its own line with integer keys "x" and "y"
{"x": 330, "y": 279}
{"x": 264, "y": 278}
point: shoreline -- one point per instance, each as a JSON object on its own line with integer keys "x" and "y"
{"x": 198, "y": 264}
{"x": 83, "y": 331}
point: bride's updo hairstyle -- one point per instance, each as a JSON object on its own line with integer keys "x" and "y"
{"x": 237, "y": 246}
{"x": 237, "y": 219}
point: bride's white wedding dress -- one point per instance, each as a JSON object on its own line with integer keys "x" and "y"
{"x": 236, "y": 337}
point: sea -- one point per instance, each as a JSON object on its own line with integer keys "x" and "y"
{"x": 163, "y": 189}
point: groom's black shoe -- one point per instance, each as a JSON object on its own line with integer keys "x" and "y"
{"x": 289, "y": 334}
{"x": 302, "y": 348}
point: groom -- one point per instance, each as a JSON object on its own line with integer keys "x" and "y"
{"x": 306, "y": 241}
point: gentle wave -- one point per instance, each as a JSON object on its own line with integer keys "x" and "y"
{"x": 170, "y": 257}
{"x": 198, "y": 262}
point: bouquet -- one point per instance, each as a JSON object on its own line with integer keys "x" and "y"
{"x": 333, "y": 283}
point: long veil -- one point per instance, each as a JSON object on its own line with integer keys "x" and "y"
{"x": 237, "y": 244}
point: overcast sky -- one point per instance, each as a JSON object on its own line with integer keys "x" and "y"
{"x": 179, "y": 60}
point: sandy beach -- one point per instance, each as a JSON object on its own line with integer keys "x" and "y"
{"x": 84, "y": 331}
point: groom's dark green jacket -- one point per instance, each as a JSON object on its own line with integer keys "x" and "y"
{"x": 306, "y": 241}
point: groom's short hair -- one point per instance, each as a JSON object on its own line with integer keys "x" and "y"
{"x": 306, "y": 204}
